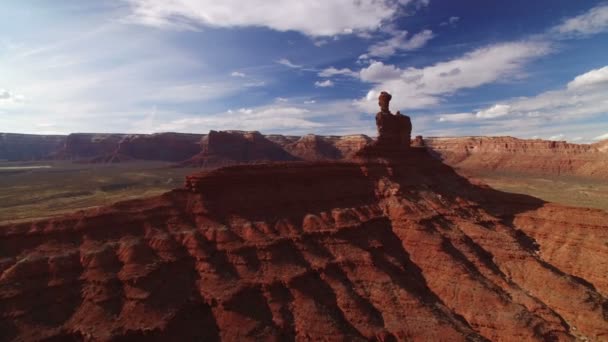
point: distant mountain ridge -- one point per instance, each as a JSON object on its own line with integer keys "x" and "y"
{"x": 221, "y": 148}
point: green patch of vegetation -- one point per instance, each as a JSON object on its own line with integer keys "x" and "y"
{"x": 28, "y": 192}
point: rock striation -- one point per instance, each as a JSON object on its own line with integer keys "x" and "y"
{"x": 110, "y": 148}
{"x": 237, "y": 147}
{"x": 380, "y": 248}
{"x": 475, "y": 155}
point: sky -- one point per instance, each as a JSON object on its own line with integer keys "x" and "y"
{"x": 528, "y": 69}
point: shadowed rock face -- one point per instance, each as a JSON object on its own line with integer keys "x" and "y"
{"x": 237, "y": 147}
{"x": 394, "y": 130}
{"x": 383, "y": 248}
{"x": 26, "y": 147}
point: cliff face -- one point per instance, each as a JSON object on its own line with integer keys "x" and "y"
{"x": 535, "y": 157}
{"x": 386, "y": 249}
{"x": 122, "y": 147}
{"x": 80, "y": 146}
{"x": 471, "y": 154}
{"x": 172, "y": 147}
{"x": 237, "y": 147}
{"x": 25, "y": 147}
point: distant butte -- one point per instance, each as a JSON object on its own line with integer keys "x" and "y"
{"x": 392, "y": 247}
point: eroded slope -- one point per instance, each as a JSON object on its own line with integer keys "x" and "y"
{"x": 384, "y": 249}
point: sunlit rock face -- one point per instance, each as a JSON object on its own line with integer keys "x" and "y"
{"x": 393, "y": 246}
{"x": 534, "y": 157}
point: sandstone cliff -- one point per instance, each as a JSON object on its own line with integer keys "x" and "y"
{"x": 237, "y": 147}
{"x": 389, "y": 249}
{"x": 25, "y": 147}
{"x": 533, "y": 157}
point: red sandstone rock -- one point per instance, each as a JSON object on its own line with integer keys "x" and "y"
{"x": 534, "y": 157}
{"x": 26, "y": 147}
{"x": 84, "y": 146}
{"x": 394, "y": 130}
{"x": 418, "y": 141}
{"x": 400, "y": 249}
{"x": 237, "y": 147}
{"x": 161, "y": 146}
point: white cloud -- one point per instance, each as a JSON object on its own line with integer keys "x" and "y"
{"x": 5, "y": 95}
{"x": 324, "y": 84}
{"x": 398, "y": 42}
{"x": 331, "y": 71}
{"x": 421, "y": 87}
{"x": 237, "y": 74}
{"x": 493, "y": 112}
{"x": 592, "y": 78}
{"x": 286, "y": 62}
{"x": 379, "y": 72}
{"x": 8, "y": 97}
{"x": 267, "y": 118}
{"x": 601, "y": 137}
{"x": 458, "y": 117}
{"x": 313, "y": 17}
{"x": 545, "y": 112}
{"x": 593, "y": 21}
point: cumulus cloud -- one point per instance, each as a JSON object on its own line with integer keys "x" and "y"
{"x": 420, "y": 87}
{"x": 331, "y": 71}
{"x": 324, "y": 84}
{"x": 495, "y": 111}
{"x": 551, "y": 109}
{"x": 5, "y": 95}
{"x": 8, "y": 97}
{"x": 379, "y": 72}
{"x": 313, "y": 18}
{"x": 237, "y": 74}
{"x": 400, "y": 41}
{"x": 592, "y": 78}
{"x": 593, "y": 21}
{"x": 557, "y": 137}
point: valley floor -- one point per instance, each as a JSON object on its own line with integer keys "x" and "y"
{"x": 571, "y": 191}
{"x": 30, "y": 191}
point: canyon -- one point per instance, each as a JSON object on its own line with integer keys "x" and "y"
{"x": 380, "y": 248}
{"x": 390, "y": 244}
{"x": 471, "y": 155}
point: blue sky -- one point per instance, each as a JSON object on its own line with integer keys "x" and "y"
{"x": 475, "y": 67}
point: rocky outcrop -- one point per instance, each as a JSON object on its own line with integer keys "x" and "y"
{"x": 478, "y": 155}
{"x": 237, "y": 147}
{"x": 378, "y": 249}
{"x": 26, "y": 147}
{"x": 173, "y": 147}
{"x": 418, "y": 141}
{"x": 393, "y": 245}
{"x": 108, "y": 148}
{"x": 393, "y": 129}
{"x": 394, "y": 133}
{"x": 82, "y": 146}
{"x": 602, "y": 146}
